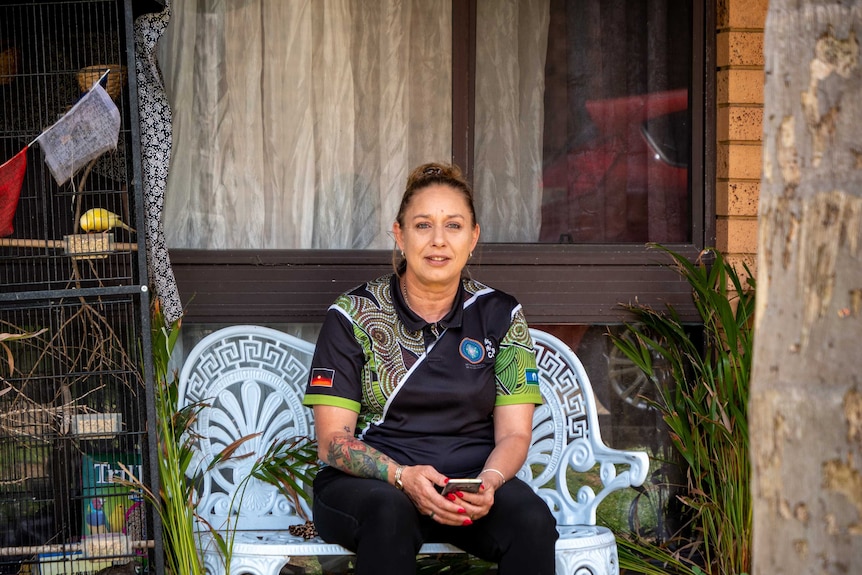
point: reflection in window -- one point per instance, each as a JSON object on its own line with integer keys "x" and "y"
{"x": 582, "y": 124}
{"x": 617, "y": 139}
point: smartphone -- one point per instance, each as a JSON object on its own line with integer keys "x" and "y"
{"x": 463, "y": 485}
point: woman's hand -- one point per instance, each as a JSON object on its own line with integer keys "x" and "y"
{"x": 475, "y": 505}
{"x": 420, "y": 483}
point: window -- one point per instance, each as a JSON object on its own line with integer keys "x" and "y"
{"x": 582, "y": 120}
{"x": 581, "y": 123}
{"x": 617, "y": 125}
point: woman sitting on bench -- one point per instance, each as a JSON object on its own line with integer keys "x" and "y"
{"x": 421, "y": 378}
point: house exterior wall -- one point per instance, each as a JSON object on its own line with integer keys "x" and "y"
{"x": 739, "y": 125}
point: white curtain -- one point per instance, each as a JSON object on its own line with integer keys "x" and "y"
{"x": 295, "y": 122}
{"x": 511, "y": 45}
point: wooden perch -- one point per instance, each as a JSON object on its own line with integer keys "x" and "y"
{"x": 56, "y": 244}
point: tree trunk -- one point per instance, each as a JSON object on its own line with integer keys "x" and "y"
{"x": 806, "y": 401}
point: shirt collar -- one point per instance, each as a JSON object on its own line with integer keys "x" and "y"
{"x": 415, "y": 323}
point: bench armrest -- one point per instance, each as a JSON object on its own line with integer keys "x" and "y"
{"x": 617, "y": 470}
{"x": 566, "y": 435}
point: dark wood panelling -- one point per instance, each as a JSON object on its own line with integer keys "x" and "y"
{"x": 569, "y": 285}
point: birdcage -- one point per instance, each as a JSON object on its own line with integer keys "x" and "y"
{"x": 73, "y": 307}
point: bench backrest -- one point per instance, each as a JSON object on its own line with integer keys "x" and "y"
{"x": 253, "y": 378}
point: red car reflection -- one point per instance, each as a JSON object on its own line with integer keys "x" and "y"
{"x": 629, "y": 181}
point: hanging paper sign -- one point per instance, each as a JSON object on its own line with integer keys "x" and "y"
{"x": 84, "y": 133}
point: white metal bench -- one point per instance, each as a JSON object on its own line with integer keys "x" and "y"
{"x": 253, "y": 379}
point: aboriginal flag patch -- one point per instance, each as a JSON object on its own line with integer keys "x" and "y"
{"x": 321, "y": 377}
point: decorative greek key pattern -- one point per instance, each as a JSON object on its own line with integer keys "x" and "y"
{"x": 246, "y": 351}
{"x": 563, "y": 416}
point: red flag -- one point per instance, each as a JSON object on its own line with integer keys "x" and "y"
{"x": 11, "y": 178}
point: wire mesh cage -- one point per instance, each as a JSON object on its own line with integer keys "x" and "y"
{"x": 72, "y": 411}
{"x": 55, "y": 52}
{"x": 73, "y": 314}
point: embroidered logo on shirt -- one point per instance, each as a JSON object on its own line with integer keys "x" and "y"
{"x": 321, "y": 377}
{"x": 472, "y": 350}
{"x": 489, "y": 347}
{"x": 532, "y": 376}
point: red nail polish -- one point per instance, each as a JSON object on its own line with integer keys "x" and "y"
{"x": 459, "y": 494}
{"x": 461, "y": 510}
{"x": 467, "y": 522}
{"x": 450, "y": 496}
{"x": 446, "y": 480}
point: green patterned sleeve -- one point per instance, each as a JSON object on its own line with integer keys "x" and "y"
{"x": 515, "y": 367}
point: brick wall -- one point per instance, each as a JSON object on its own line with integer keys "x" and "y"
{"x": 739, "y": 118}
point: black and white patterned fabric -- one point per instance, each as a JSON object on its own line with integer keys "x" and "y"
{"x": 155, "y": 114}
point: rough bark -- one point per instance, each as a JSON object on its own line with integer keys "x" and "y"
{"x": 806, "y": 401}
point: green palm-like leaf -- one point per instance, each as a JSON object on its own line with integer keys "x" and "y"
{"x": 705, "y": 410}
{"x": 288, "y": 464}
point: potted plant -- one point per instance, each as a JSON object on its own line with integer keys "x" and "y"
{"x": 704, "y": 403}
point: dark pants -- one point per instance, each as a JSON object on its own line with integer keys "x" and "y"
{"x": 381, "y": 525}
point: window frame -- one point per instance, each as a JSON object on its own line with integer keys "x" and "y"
{"x": 556, "y": 283}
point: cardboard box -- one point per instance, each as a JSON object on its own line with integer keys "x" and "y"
{"x": 108, "y": 506}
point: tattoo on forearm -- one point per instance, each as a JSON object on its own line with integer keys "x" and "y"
{"x": 355, "y": 457}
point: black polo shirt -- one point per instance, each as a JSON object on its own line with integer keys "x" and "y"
{"x": 425, "y": 393}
